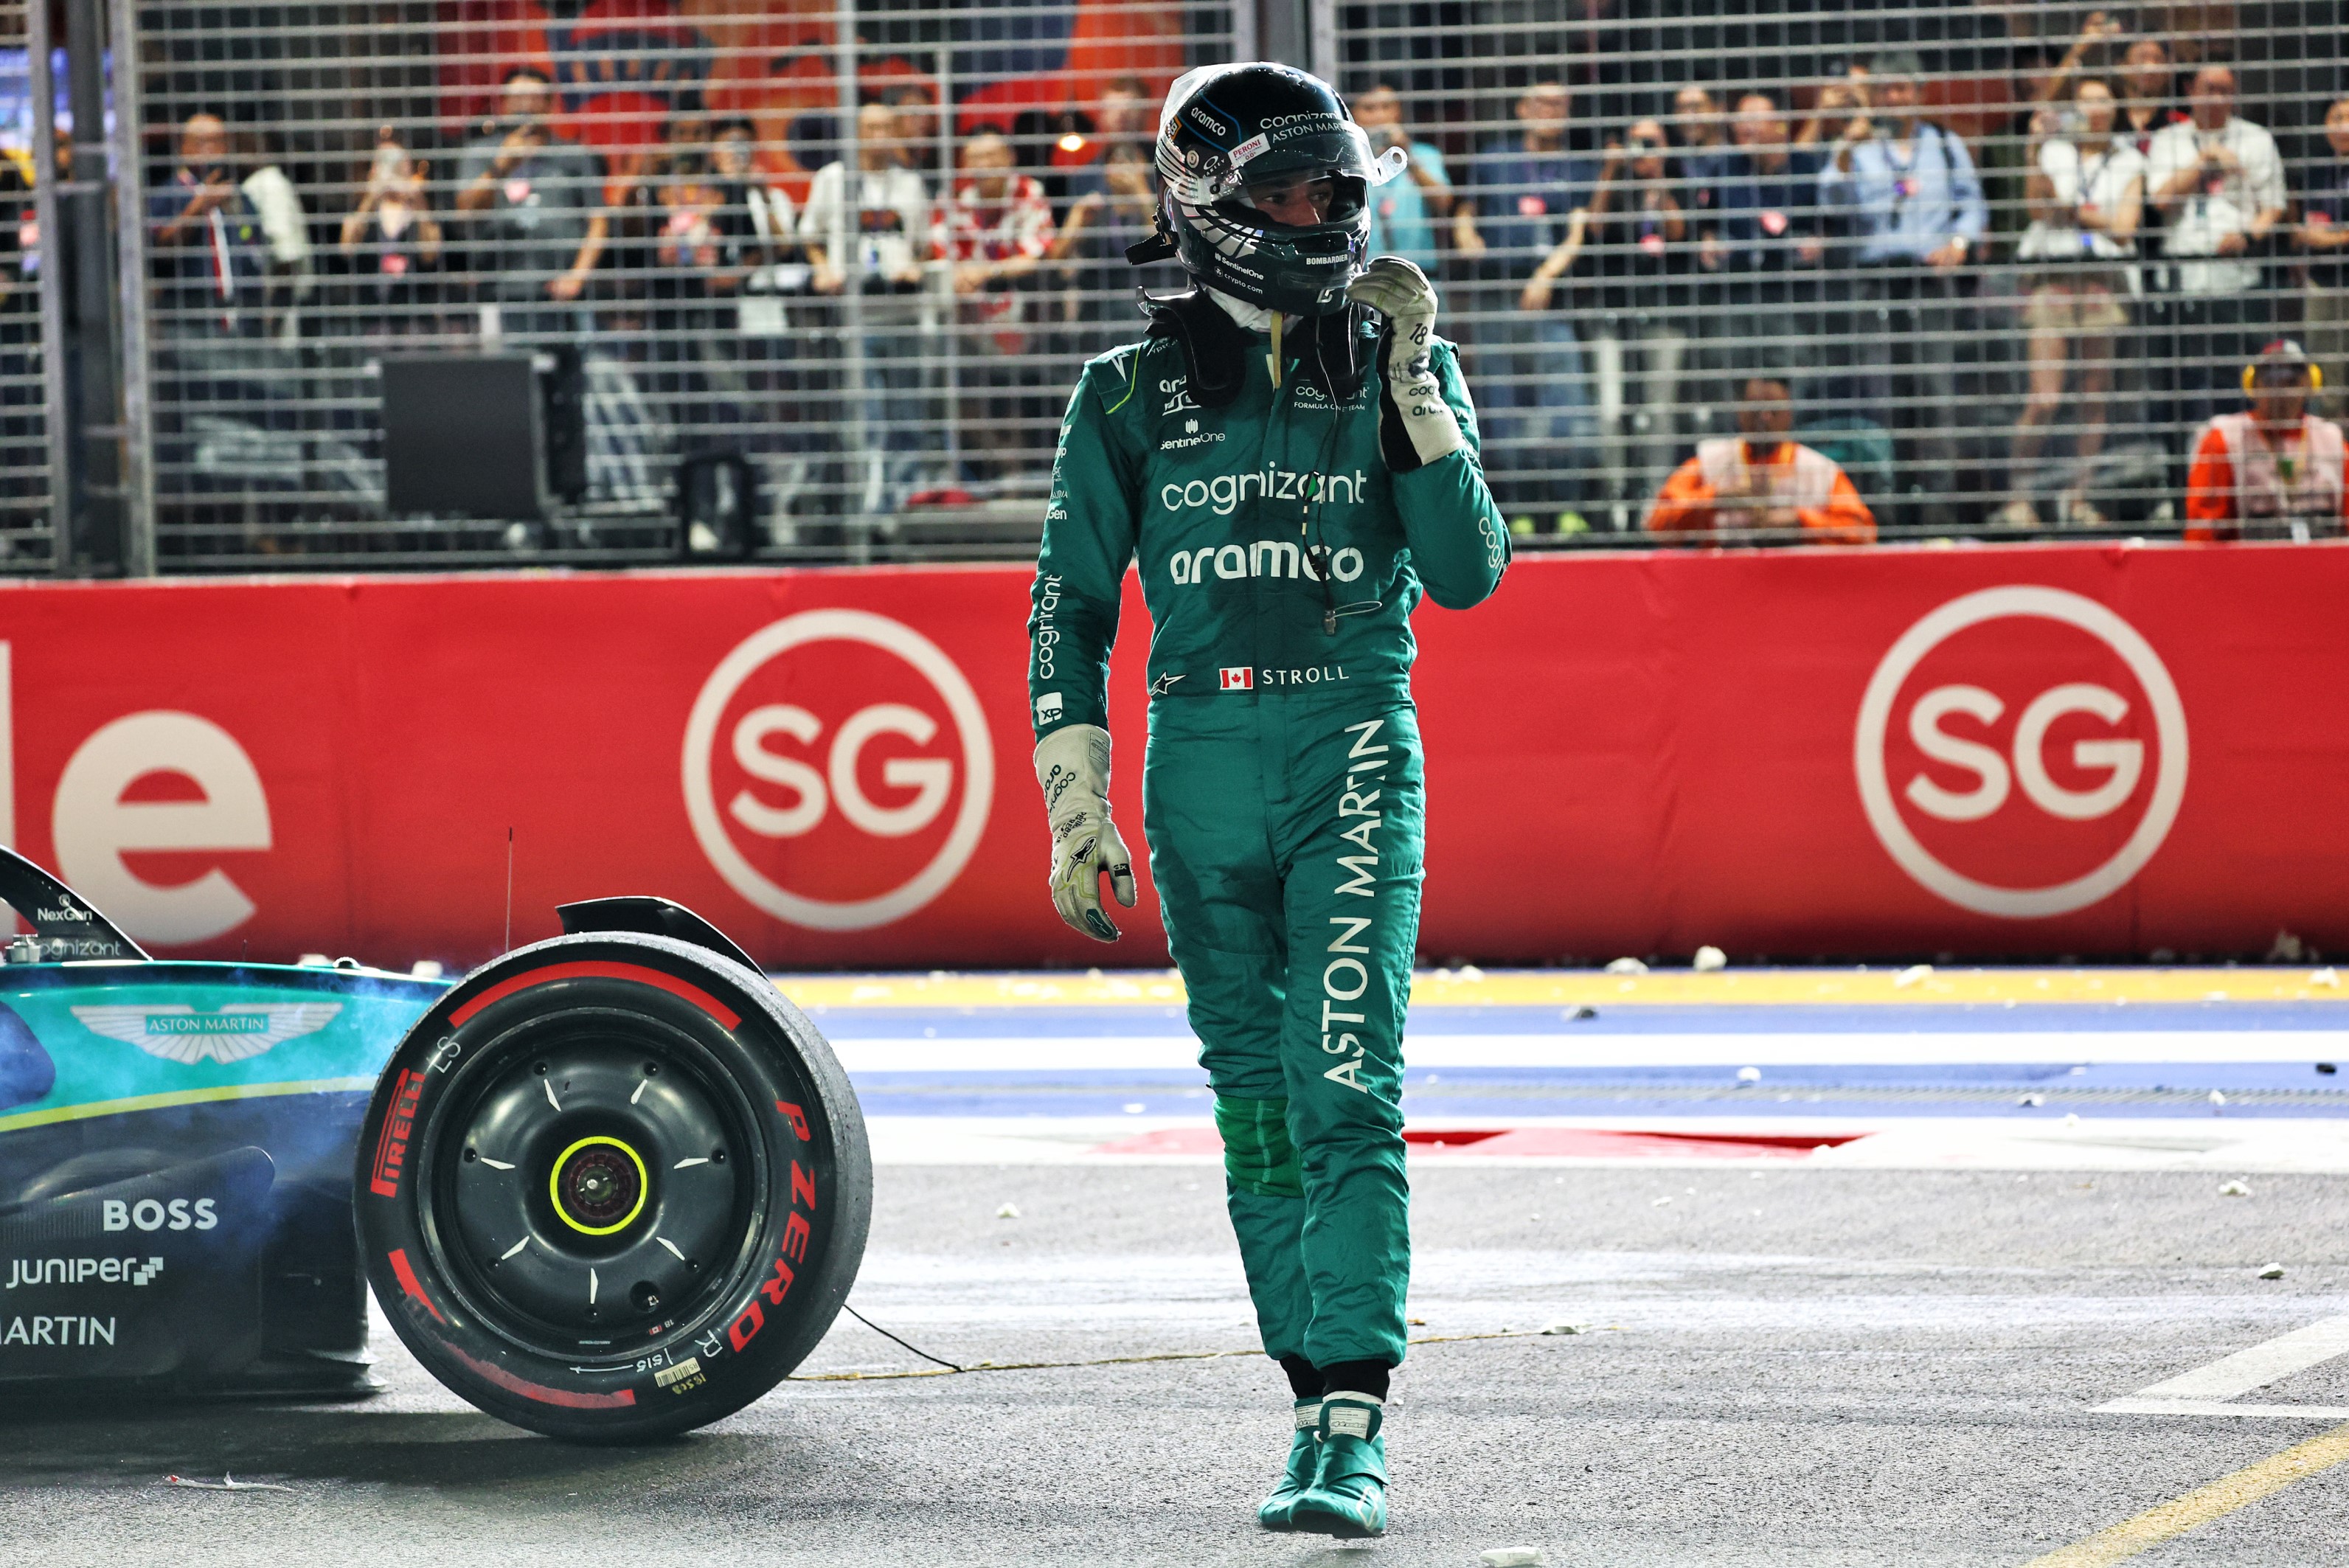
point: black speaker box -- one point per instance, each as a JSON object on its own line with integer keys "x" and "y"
{"x": 494, "y": 436}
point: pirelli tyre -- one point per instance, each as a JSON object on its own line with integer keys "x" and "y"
{"x": 612, "y": 1187}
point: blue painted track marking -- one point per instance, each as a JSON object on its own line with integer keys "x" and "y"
{"x": 1505, "y": 1062}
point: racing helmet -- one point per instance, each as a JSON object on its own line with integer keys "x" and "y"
{"x": 1225, "y": 127}
{"x": 2278, "y": 359}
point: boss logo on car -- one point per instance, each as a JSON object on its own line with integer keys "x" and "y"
{"x": 157, "y": 1214}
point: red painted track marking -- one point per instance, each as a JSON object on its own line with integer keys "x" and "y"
{"x": 541, "y": 1392}
{"x": 1585, "y": 1142}
{"x": 596, "y": 969}
{"x": 408, "y": 1282}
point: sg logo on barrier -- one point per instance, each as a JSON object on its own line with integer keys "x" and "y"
{"x": 2106, "y": 770}
{"x": 814, "y": 795}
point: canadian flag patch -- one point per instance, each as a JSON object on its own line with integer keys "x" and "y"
{"x": 1239, "y": 678}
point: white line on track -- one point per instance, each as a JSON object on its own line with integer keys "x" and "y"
{"x": 2206, "y": 1390}
{"x": 2219, "y": 1408}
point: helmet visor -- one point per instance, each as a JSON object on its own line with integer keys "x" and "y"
{"x": 1279, "y": 157}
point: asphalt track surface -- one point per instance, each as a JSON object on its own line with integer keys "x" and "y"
{"x": 1889, "y": 1351}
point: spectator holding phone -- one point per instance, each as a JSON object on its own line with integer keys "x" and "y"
{"x": 1403, "y": 213}
{"x": 1917, "y": 213}
{"x": 207, "y": 244}
{"x": 392, "y": 241}
{"x": 1770, "y": 223}
{"x": 1645, "y": 250}
{"x": 2218, "y": 182}
{"x": 1522, "y": 232}
{"x": 2149, "y": 94}
{"x": 537, "y": 203}
{"x": 2085, "y": 191}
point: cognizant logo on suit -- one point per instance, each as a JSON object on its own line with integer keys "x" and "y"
{"x": 1223, "y": 492}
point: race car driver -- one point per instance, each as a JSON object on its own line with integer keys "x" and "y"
{"x": 1291, "y": 453}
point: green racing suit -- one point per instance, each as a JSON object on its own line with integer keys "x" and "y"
{"x": 1283, "y": 539}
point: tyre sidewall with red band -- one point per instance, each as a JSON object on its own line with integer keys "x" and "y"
{"x": 794, "y": 1240}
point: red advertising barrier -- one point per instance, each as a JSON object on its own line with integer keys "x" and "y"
{"x": 1991, "y": 753}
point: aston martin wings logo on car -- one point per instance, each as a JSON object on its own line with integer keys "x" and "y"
{"x": 178, "y": 1032}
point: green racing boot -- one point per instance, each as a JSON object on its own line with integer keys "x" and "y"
{"x": 1348, "y": 1494}
{"x": 1304, "y": 1459}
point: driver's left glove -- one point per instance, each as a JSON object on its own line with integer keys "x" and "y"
{"x": 1399, "y": 291}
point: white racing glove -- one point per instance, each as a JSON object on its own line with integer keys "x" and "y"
{"x": 1399, "y": 291}
{"x": 1072, "y": 764}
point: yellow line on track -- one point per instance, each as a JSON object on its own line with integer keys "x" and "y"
{"x": 1575, "y": 988}
{"x": 2203, "y": 1505}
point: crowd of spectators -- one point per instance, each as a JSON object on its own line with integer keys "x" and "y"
{"x": 2032, "y": 341}
{"x": 1970, "y": 374}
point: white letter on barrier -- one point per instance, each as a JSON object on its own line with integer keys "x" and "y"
{"x": 2124, "y": 758}
{"x": 92, "y": 825}
{"x": 932, "y": 777}
{"x": 751, "y": 755}
{"x": 1925, "y": 730}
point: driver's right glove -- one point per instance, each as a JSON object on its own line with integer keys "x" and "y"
{"x": 1072, "y": 765}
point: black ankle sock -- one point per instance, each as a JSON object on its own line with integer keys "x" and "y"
{"x": 1304, "y": 1378}
{"x": 1354, "y": 1377}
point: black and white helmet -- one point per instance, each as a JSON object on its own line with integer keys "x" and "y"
{"x": 1225, "y": 128}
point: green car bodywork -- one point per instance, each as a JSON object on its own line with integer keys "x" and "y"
{"x": 177, "y": 1141}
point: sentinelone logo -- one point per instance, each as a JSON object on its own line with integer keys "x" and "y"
{"x": 838, "y": 785}
{"x": 2119, "y": 761}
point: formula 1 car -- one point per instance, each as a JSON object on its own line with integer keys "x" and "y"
{"x": 609, "y": 1187}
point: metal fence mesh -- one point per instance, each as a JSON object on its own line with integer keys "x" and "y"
{"x": 1635, "y": 206}
{"x": 27, "y": 476}
{"x": 889, "y": 343}
{"x": 1653, "y": 203}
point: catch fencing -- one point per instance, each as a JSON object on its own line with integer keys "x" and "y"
{"x": 646, "y": 207}
{"x": 1634, "y": 208}
{"x": 32, "y": 380}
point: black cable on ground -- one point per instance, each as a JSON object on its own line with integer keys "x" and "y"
{"x": 884, "y": 1333}
{"x": 950, "y": 1368}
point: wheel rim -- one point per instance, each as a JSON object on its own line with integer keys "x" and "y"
{"x": 598, "y": 1185}
{"x": 592, "y": 1182}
